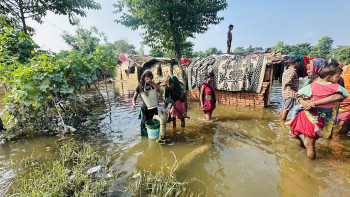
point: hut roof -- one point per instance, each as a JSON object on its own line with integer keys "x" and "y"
{"x": 145, "y": 61}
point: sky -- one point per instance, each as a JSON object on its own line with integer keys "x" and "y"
{"x": 257, "y": 23}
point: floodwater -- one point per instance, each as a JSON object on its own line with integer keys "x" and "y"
{"x": 241, "y": 152}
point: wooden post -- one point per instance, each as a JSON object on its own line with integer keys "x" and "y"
{"x": 269, "y": 89}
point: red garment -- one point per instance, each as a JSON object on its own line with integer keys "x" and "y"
{"x": 209, "y": 106}
{"x": 306, "y": 61}
{"x": 185, "y": 62}
{"x": 320, "y": 91}
{"x": 302, "y": 125}
{"x": 182, "y": 107}
{"x": 207, "y": 90}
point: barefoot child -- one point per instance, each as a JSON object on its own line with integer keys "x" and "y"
{"x": 207, "y": 96}
{"x": 146, "y": 83}
{"x": 176, "y": 91}
{"x": 313, "y": 122}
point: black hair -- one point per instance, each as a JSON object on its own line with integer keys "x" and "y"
{"x": 294, "y": 60}
{"x": 333, "y": 62}
{"x": 211, "y": 74}
{"x": 267, "y": 50}
{"x": 230, "y": 26}
{"x": 329, "y": 71}
{"x": 146, "y": 73}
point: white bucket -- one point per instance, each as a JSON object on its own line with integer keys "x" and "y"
{"x": 150, "y": 98}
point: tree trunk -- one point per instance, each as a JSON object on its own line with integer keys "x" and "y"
{"x": 178, "y": 53}
{"x": 24, "y": 25}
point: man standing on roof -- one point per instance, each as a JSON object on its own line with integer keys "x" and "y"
{"x": 229, "y": 38}
{"x": 290, "y": 85}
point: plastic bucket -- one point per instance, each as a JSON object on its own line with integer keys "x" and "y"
{"x": 150, "y": 98}
{"x": 152, "y": 127}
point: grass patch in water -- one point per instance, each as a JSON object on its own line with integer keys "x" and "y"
{"x": 161, "y": 183}
{"x": 67, "y": 176}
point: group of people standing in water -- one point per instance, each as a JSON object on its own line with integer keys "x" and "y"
{"x": 323, "y": 101}
{"x": 315, "y": 107}
{"x": 175, "y": 95}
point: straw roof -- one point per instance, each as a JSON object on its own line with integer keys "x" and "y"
{"x": 147, "y": 61}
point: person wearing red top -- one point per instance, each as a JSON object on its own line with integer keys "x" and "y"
{"x": 207, "y": 96}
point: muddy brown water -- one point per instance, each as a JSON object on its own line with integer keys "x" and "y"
{"x": 241, "y": 152}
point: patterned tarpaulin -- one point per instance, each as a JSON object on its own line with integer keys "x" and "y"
{"x": 232, "y": 73}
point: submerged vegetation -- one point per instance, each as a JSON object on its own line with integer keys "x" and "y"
{"x": 70, "y": 175}
{"x": 81, "y": 171}
{"x": 161, "y": 183}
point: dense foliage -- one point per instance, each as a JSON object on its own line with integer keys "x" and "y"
{"x": 85, "y": 40}
{"x": 15, "y": 45}
{"x": 323, "y": 49}
{"x": 342, "y": 53}
{"x": 45, "y": 94}
{"x": 207, "y": 52}
{"x": 38, "y": 9}
{"x": 169, "y": 23}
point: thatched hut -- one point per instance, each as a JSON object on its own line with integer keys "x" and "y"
{"x": 132, "y": 66}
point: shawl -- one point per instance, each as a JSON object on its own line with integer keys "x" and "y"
{"x": 317, "y": 65}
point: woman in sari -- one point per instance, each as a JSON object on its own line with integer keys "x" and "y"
{"x": 176, "y": 91}
{"x": 313, "y": 68}
{"x": 314, "y": 123}
{"x": 207, "y": 96}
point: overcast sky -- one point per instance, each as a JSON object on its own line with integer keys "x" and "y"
{"x": 257, "y": 23}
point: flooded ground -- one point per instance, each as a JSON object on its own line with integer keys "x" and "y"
{"x": 241, "y": 152}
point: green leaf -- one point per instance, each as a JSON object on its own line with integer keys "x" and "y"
{"x": 44, "y": 85}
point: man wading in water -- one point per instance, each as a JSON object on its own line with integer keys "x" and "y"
{"x": 290, "y": 85}
{"x": 229, "y": 38}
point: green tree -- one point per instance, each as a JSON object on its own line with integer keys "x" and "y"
{"x": 123, "y": 46}
{"x": 323, "y": 48}
{"x": 187, "y": 51}
{"x": 141, "y": 50}
{"x": 168, "y": 23}
{"x": 239, "y": 50}
{"x": 258, "y": 49}
{"x": 212, "y": 50}
{"x": 156, "y": 52}
{"x": 37, "y": 9}
{"x": 250, "y": 49}
{"x": 198, "y": 54}
{"x": 281, "y": 47}
{"x": 342, "y": 54}
{"x": 85, "y": 40}
{"x": 15, "y": 44}
{"x": 303, "y": 48}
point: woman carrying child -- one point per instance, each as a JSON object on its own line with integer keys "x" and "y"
{"x": 176, "y": 91}
{"x": 312, "y": 123}
{"x": 146, "y": 83}
{"x": 207, "y": 96}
